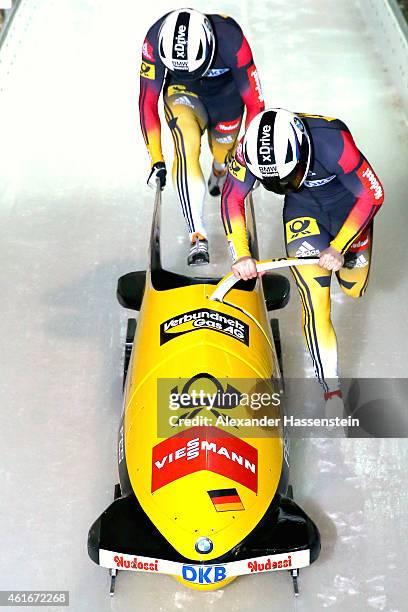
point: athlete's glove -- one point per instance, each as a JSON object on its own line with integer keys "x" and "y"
{"x": 159, "y": 172}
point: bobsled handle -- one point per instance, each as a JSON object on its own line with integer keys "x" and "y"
{"x": 227, "y": 283}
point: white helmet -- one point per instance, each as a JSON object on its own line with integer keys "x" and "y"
{"x": 277, "y": 150}
{"x": 186, "y": 44}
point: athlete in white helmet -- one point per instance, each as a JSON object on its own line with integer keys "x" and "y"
{"x": 331, "y": 197}
{"x": 209, "y": 78}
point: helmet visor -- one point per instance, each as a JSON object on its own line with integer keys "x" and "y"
{"x": 193, "y": 75}
{"x": 294, "y": 180}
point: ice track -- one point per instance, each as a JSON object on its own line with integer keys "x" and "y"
{"x": 74, "y": 212}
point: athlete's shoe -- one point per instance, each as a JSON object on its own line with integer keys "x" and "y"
{"x": 199, "y": 255}
{"x": 216, "y": 181}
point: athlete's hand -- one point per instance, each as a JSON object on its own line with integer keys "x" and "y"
{"x": 158, "y": 171}
{"x": 330, "y": 259}
{"x": 245, "y": 268}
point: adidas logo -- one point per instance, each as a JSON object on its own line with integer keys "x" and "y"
{"x": 306, "y": 250}
{"x": 361, "y": 262}
{"x": 184, "y": 101}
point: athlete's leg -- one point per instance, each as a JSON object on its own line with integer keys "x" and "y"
{"x": 306, "y": 237}
{"x": 187, "y": 119}
{"x": 222, "y": 138}
{"x": 353, "y": 278}
{"x": 221, "y": 146}
{"x": 225, "y": 117}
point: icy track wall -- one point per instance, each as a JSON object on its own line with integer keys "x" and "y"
{"x": 390, "y": 30}
{"x": 9, "y": 14}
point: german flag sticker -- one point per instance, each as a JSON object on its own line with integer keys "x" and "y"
{"x": 225, "y": 500}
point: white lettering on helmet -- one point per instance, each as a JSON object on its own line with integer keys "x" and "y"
{"x": 181, "y": 42}
{"x": 269, "y": 170}
{"x": 180, "y": 65}
{"x": 265, "y": 140}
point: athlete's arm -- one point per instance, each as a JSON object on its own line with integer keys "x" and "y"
{"x": 356, "y": 174}
{"x": 237, "y": 53}
{"x": 152, "y": 73}
{"x": 238, "y": 184}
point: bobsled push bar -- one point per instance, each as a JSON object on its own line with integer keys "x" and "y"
{"x": 227, "y": 283}
{"x": 276, "y": 287}
{"x": 131, "y": 286}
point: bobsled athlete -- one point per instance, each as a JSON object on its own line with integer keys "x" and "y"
{"x": 331, "y": 196}
{"x": 209, "y": 76}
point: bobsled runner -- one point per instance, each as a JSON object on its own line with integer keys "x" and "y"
{"x": 202, "y": 502}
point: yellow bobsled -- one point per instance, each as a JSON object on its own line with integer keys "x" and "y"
{"x": 203, "y": 463}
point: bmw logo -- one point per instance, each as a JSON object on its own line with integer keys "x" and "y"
{"x": 204, "y": 546}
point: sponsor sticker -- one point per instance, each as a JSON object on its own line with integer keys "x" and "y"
{"x": 228, "y": 126}
{"x": 215, "y": 72}
{"x": 183, "y": 101}
{"x": 175, "y": 89}
{"x": 301, "y": 227}
{"x": 180, "y": 64}
{"x": 205, "y": 448}
{"x": 370, "y": 180}
{"x": 320, "y": 182}
{"x": 269, "y": 564}
{"x": 362, "y": 243}
{"x": 129, "y": 562}
{"x": 237, "y": 170}
{"x": 180, "y": 43}
{"x": 362, "y": 262}
{"x": 180, "y": 89}
{"x": 265, "y": 146}
{"x": 147, "y": 51}
{"x": 255, "y": 83}
{"x": 148, "y": 71}
{"x": 207, "y": 319}
{"x": 269, "y": 170}
{"x": 210, "y": 574}
{"x": 203, "y": 573}
{"x": 307, "y": 250}
{"x": 225, "y": 139}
